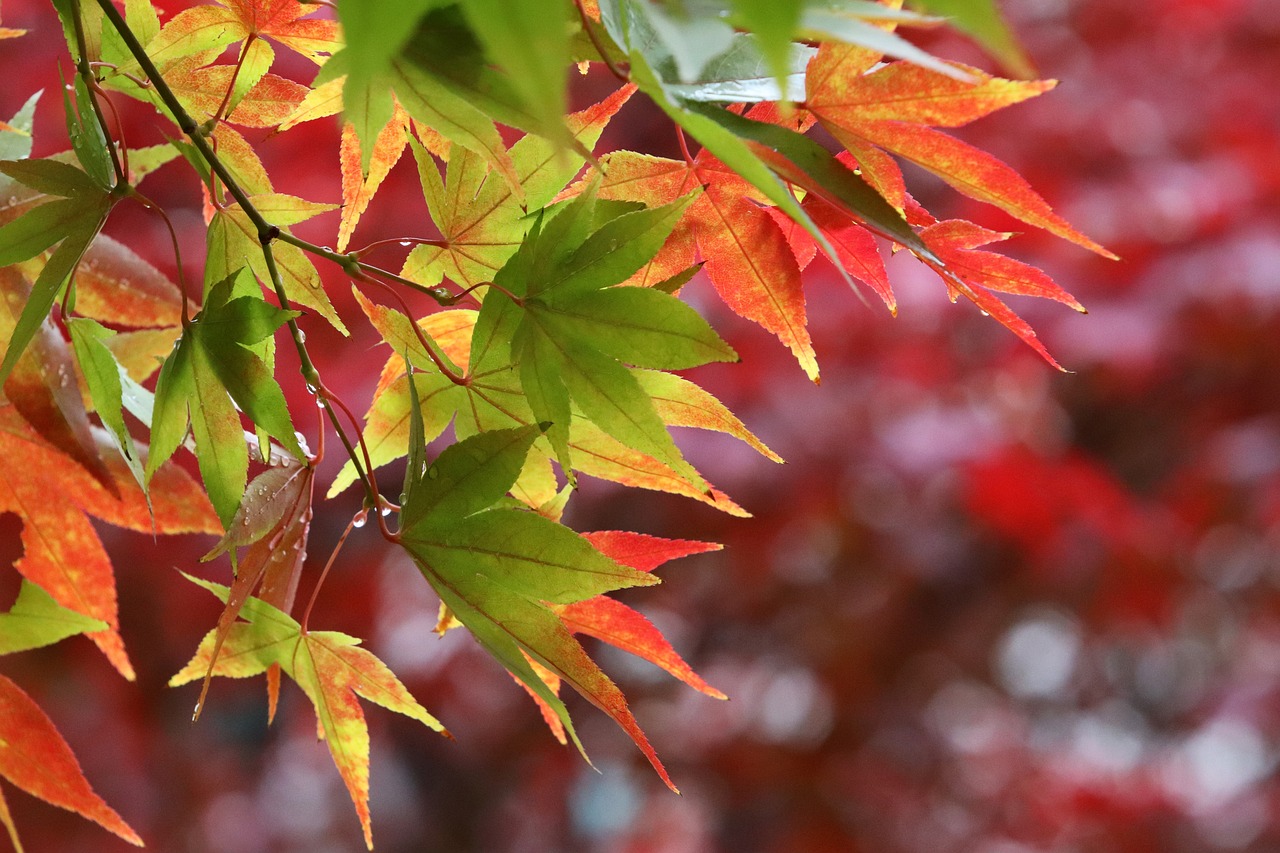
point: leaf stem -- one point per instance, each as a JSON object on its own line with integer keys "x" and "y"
{"x": 400, "y": 241}
{"x": 235, "y": 75}
{"x": 427, "y": 344}
{"x": 360, "y": 270}
{"x": 177, "y": 252}
{"x": 188, "y": 125}
{"x": 324, "y": 573}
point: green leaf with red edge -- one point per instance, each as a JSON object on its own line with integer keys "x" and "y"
{"x": 36, "y": 758}
{"x": 62, "y": 553}
{"x": 598, "y": 454}
{"x": 681, "y": 403}
{"x": 481, "y": 221}
{"x": 332, "y": 671}
{"x": 499, "y": 571}
{"x": 896, "y": 107}
{"x": 359, "y": 185}
{"x": 36, "y": 620}
{"x": 617, "y": 624}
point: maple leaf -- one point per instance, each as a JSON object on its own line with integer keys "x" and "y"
{"x": 615, "y": 623}
{"x": 204, "y": 31}
{"x": 491, "y": 398}
{"x": 359, "y": 186}
{"x": 36, "y": 758}
{"x": 204, "y": 92}
{"x": 896, "y": 107}
{"x": 62, "y": 553}
{"x": 71, "y": 222}
{"x": 271, "y": 525}
{"x": 332, "y": 671}
{"x": 481, "y": 220}
{"x": 573, "y": 328}
{"x": 212, "y": 366}
{"x": 501, "y": 571}
{"x": 36, "y": 620}
{"x": 749, "y": 260}
{"x": 975, "y": 273}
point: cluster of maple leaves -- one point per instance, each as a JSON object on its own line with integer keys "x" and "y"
{"x": 566, "y": 365}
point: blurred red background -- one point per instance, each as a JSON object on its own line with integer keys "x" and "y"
{"x": 983, "y": 607}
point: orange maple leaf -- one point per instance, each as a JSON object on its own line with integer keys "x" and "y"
{"x": 896, "y": 107}
{"x": 36, "y": 758}
{"x": 749, "y": 259}
{"x": 975, "y": 273}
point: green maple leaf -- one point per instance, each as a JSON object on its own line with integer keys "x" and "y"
{"x": 331, "y": 669}
{"x": 71, "y": 221}
{"x": 211, "y": 366}
{"x": 573, "y": 332}
{"x": 501, "y": 571}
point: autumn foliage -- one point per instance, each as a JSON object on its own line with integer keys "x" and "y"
{"x": 534, "y": 330}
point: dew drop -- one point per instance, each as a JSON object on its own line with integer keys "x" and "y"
{"x": 358, "y": 521}
{"x": 385, "y": 511}
{"x": 311, "y": 389}
{"x": 302, "y": 337}
{"x": 195, "y": 715}
{"x": 406, "y": 242}
{"x": 432, "y": 472}
{"x": 984, "y": 313}
{"x": 319, "y": 403}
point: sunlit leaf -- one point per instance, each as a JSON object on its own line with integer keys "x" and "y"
{"x": 332, "y": 671}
